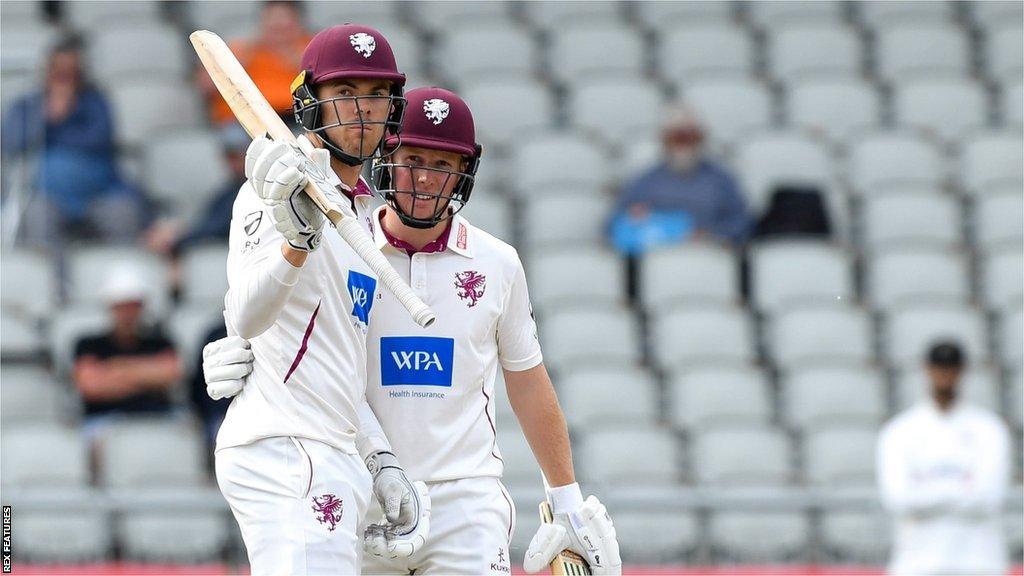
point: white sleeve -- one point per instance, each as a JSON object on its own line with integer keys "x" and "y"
{"x": 900, "y": 494}
{"x": 371, "y": 437}
{"x": 518, "y": 347}
{"x": 990, "y": 476}
{"x": 259, "y": 278}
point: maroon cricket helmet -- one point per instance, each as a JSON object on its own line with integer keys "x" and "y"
{"x": 348, "y": 51}
{"x": 436, "y": 119}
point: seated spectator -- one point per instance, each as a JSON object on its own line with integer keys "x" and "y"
{"x": 684, "y": 196}
{"x": 272, "y": 59}
{"x": 129, "y": 370}
{"x": 67, "y": 126}
{"x": 168, "y": 238}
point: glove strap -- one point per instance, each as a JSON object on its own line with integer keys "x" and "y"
{"x": 380, "y": 460}
{"x": 565, "y": 499}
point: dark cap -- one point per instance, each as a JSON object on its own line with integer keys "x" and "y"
{"x": 350, "y": 51}
{"x": 946, "y": 354}
{"x": 437, "y": 119}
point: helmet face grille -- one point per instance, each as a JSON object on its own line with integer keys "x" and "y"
{"x": 443, "y": 206}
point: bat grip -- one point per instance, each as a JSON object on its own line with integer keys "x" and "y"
{"x": 353, "y": 233}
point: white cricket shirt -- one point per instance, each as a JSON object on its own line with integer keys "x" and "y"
{"x": 433, "y": 389}
{"x": 943, "y": 476}
{"x": 309, "y": 372}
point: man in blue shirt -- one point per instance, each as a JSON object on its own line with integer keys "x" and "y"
{"x": 688, "y": 187}
{"x": 68, "y": 126}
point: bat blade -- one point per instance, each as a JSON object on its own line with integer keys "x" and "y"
{"x": 567, "y": 562}
{"x": 254, "y": 113}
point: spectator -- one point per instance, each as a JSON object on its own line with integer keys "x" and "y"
{"x": 67, "y": 125}
{"x": 130, "y": 369}
{"x": 167, "y": 238}
{"x": 271, "y": 59}
{"x": 943, "y": 468}
{"x": 685, "y": 195}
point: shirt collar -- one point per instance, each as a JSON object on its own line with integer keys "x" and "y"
{"x": 457, "y": 226}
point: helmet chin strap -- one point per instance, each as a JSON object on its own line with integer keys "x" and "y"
{"x": 413, "y": 222}
{"x": 337, "y": 152}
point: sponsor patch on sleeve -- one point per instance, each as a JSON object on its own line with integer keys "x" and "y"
{"x": 361, "y": 287}
{"x": 416, "y": 361}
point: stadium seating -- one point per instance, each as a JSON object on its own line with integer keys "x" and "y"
{"x": 755, "y": 377}
{"x": 946, "y": 108}
{"x": 778, "y": 159}
{"x": 884, "y": 159}
{"x": 896, "y": 277}
{"x": 582, "y": 49}
{"x": 183, "y": 170}
{"x": 920, "y": 47}
{"x": 675, "y": 539}
{"x": 814, "y": 48}
{"x": 591, "y": 397}
{"x": 741, "y": 455}
{"x": 841, "y": 455}
{"x": 914, "y": 327}
{"x": 706, "y": 50}
{"x": 1003, "y": 51}
{"x": 1003, "y": 275}
{"x": 668, "y": 16}
{"x": 919, "y": 216}
{"x": 855, "y": 537}
{"x": 156, "y": 51}
{"x": 756, "y": 537}
{"x": 495, "y": 102}
{"x": 32, "y": 395}
{"x": 513, "y": 52}
{"x": 544, "y": 218}
{"x": 711, "y": 396}
{"x": 816, "y": 395}
{"x": 695, "y": 335}
{"x": 791, "y": 272}
{"x": 28, "y": 284}
{"x": 608, "y": 334}
{"x": 694, "y": 272}
{"x": 991, "y": 160}
{"x": 596, "y": 106}
{"x": 836, "y": 107}
{"x": 730, "y": 107}
{"x": 999, "y": 219}
{"x": 772, "y": 15}
{"x": 830, "y": 332}
{"x": 551, "y": 275}
{"x": 609, "y": 456}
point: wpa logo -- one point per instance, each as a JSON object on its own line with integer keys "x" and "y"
{"x": 361, "y": 287}
{"x": 416, "y": 361}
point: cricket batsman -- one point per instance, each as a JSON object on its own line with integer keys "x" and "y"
{"x": 287, "y": 457}
{"x": 433, "y": 390}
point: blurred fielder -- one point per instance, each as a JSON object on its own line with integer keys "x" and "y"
{"x": 433, "y": 389}
{"x": 943, "y": 469}
{"x": 287, "y": 458}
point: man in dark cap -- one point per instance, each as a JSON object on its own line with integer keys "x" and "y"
{"x": 943, "y": 467}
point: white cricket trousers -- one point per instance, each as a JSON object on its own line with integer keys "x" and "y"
{"x": 298, "y": 503}
{"x": 471, "y": 524}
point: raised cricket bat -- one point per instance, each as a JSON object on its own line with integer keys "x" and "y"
{"x": 258, "y": 118}
{"x": 567, "y": 562}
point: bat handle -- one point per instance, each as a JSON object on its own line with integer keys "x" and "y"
{"x": 352, "y": 232}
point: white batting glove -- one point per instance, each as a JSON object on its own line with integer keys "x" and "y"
{"x": 277, "y": 172}
{"x": 582, "y": 527}
{"x": 406, "y": 507}
{"x": 226, "y": 363}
